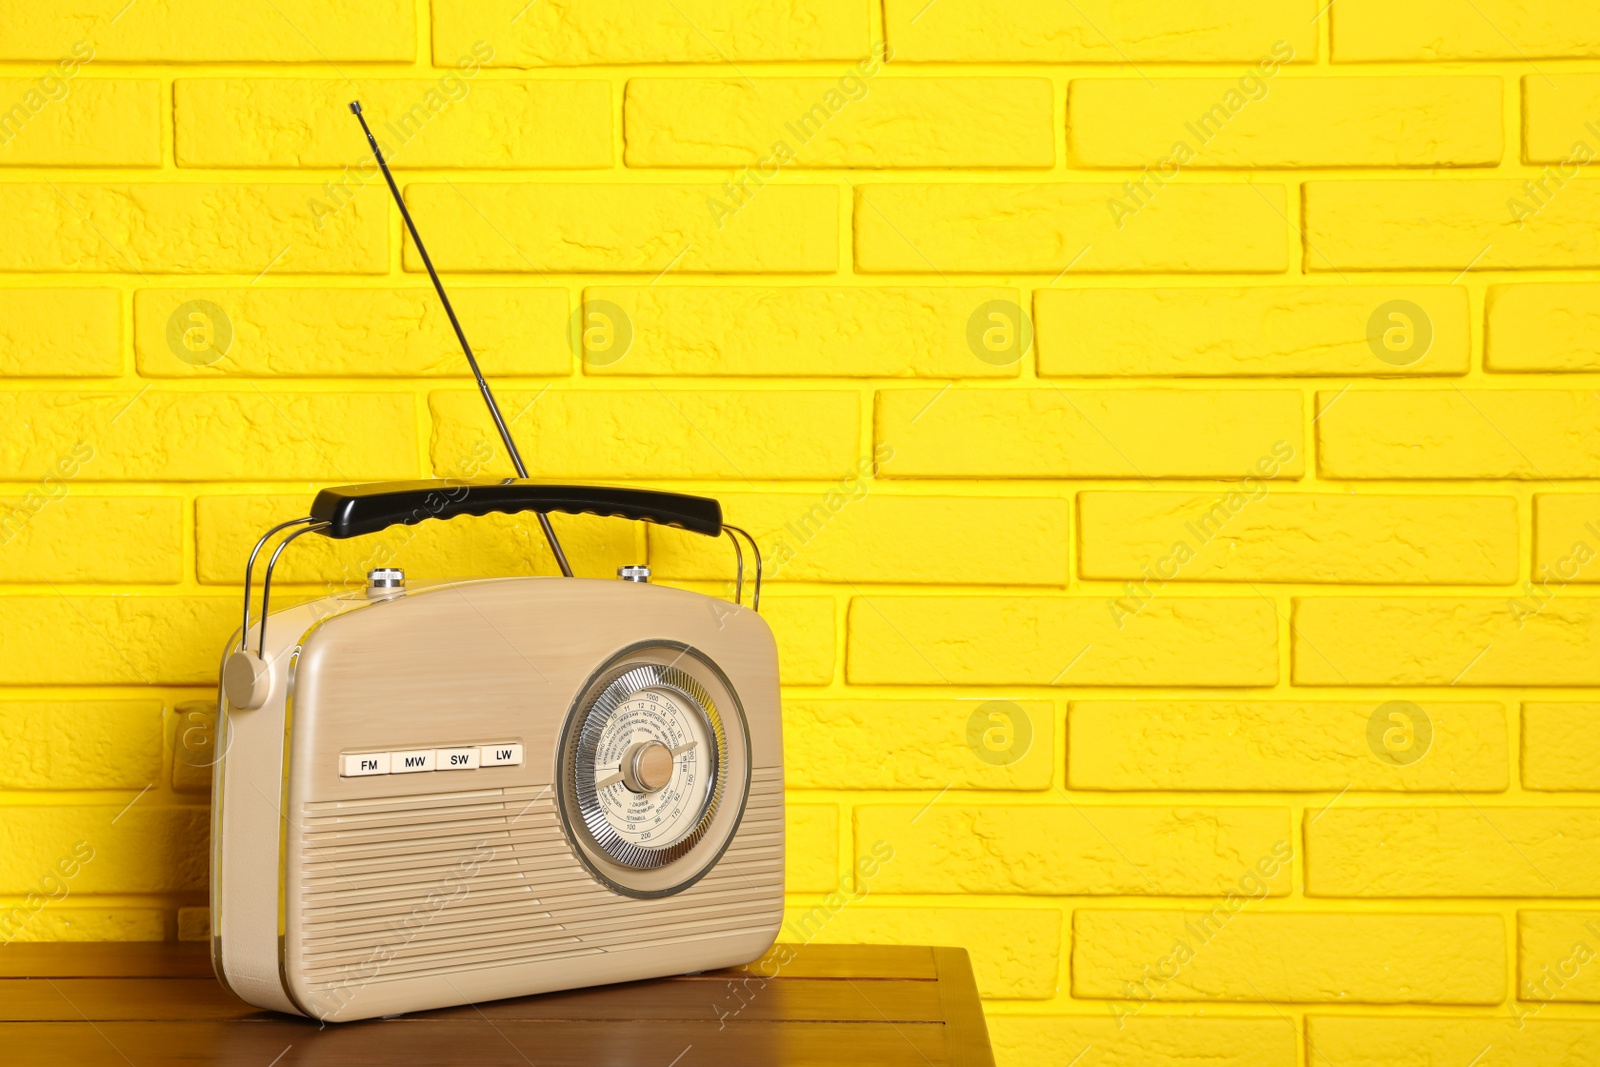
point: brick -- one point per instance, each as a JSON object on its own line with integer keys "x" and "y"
{"x": 689, "y": 31}
{"x": 189, "y": 228}
{"x": 805, "y": 630}
{"x": 1449, "y": 225}
{"x": 1480, "y": 29}
{"x": 811, "y": 847}
{"x": 114, "y": 640}
{"x": 356, "y": 333}
{"x": 1459, "y": 851}
{"x": 227, "y": 528}
{"x": 1510, "y": 1040}
{"x": 638, "y": 229}
{"x": 453, "y": 121}
{"x": 1292, "y": 746}
{"x": 1138, "y": 1041}
{"x": 1566, "y": 540}
{"x": 195, "y": 31}
{"x": 1304, "y": 957}
{"x": 1445, "y": 641}
{"x": 849, "y": 121}
{"x": 1085, "y": 433}
{"x": 726, "y": 331}
{"x": 1525, "y": 434}
{"x": 1542, "y": 327}
{"x": 60, "y": 333}
{"x": 1561, "y": 746}
{"x": 66, "y": 922}
{"x": 1560, "y": 118}
{"x": 1281, "y": 331}
{"x": 52, "y": 534}
{"x": 148, "y": 849}
{"x": 1554, "y": 951}
{"x": 941, "y": 229}
{"x": 193, "y": 726}
{"x": 1015, "y": 952}
{"x": 80, "y": 744}
{"x": 657, "y": 435}
{"x": 850, "y": 533}
{"x": 186, "y": 436}
{"x": 1004, "y": 640}
{"x": 1267, "y": 536}
{"x": 80, "y": 122}
{"x": 1288, "y": 122}
{"x": 919, "y": 744}
{"x": 1079, "y": 850}
{"x": 1101, "y": 31}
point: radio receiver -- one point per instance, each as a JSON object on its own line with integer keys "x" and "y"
{"x": 441, "y": 793}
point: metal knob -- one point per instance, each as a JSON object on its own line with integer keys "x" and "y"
{"x": 636, "y": 572}
{"x": 386, "y": 581}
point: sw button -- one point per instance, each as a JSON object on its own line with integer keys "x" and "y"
{"x": 456, "y": 759}
{"x": 502, "y": 755}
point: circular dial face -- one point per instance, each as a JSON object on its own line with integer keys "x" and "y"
{"x": 645, "y": 764}
{"x": 653, "y": 767}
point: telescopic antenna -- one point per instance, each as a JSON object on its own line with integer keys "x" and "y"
{"x": 483, "y": 386}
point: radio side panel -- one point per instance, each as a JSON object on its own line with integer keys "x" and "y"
{"x": 409, "y": 890}
{"x": 246, "y": 825}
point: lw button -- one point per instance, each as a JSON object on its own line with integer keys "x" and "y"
{"x": 364, "y": 763}
{"x": 411, "y": 762}
{"x": 456, "y": 759}
{"x": 502, "y": 755}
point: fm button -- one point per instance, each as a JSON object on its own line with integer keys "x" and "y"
{"x": 364, "y": 763}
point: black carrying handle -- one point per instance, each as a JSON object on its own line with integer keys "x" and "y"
{"x": 353, "y": 510}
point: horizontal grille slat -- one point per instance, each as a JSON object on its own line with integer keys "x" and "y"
{"x": 533, "y": 928}
{"x": 447, "y": 854}
{"x": 408, "y": 963}
{"x": 493, "y": 924}
{"x": 374, "y": 919}
{"x": 368, "y": 868}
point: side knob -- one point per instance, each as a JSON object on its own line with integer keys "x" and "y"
{"x": 246, "y": 680}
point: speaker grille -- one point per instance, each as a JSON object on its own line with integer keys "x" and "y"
{"x": 404, "y": 887}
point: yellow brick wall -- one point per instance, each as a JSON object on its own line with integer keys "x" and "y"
{"x": 1214, "y": 650}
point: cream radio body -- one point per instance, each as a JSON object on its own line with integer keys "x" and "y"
{"x": 492, "y": 788}
{"x": 496, "y": 787}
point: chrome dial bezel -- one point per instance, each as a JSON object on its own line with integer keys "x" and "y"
{"x": 583, "y": 738}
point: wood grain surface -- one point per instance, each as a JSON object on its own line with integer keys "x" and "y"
{"x": 154, "y": 1005}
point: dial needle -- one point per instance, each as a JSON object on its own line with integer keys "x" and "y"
{"x": 611, "y": 780}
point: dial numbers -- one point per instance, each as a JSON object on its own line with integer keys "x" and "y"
{"x": 653, "y": 718}
{"x": 645, "y": 768}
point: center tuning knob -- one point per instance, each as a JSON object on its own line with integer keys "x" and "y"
{"x": 647, "y": 768}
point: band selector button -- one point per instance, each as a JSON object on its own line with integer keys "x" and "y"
{"x": 502, "y": 756}
{"x": 411, "y": 762}
{"x": 456, "y": 759}
{"x": 363, "y": 763}
{"x": 414, "y": 761}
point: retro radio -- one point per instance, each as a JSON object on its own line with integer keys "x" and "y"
{"x": 436, "y": 794}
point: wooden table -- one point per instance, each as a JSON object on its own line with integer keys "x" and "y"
{"x": 152, "y": 1005}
